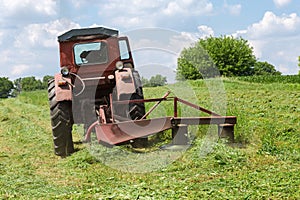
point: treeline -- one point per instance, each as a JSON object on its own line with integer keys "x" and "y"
{"x": 154, "y": 81}
{"x": 10, "y": 88}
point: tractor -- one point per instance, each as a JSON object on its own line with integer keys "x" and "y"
{"x": 99, "y": 87}
{"x": 95, "y": 63}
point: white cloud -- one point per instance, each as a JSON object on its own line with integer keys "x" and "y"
{"x": 136, "y": 7}
{"x": 34, "y": 45}
{"x": 272, "y": 25}
{"x": 258, "y": 47}
{"x": 205, "y": 31}
{"x": 43, "y": 35}
{"x": 14, "y": 7}
{"x": 138, "y": 14}
{"x": 233, "y": 9}
{"x": 17, "y": 70}
{"x": 281, "y": 3}
{"x": 156, "y": 50}
{"x": 77, "y": 3}
{"x": 25, "y": 69}
{"x": 6, "y": 55}
{"x": 1, "y": 37}
{"x": 161, "y": 39}
{"x": 188, "y": 7}
{"x": 129, "y": 21}
{"x": 275, "y": 39}
{"x": 152, "y": 13}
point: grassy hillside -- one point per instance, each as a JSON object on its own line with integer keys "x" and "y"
{"x": 264, "y": 164}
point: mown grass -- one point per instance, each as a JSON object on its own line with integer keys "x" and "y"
{"x": 263, "y": 164}
{"x": 271, "y": 79}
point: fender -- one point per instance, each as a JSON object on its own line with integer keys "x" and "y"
{"x": 125, "y": 83}
{"x": 63, "y": 88}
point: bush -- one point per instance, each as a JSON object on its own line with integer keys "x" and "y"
{"x": 210, "y": 57}
{"x": 265, "y": 68}
{"x": 6, "y": 87}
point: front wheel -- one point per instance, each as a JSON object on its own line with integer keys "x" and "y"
{"x": 137, "y": 110}
{"x": 62, "y": 122}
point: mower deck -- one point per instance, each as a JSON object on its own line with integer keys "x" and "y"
{"x": 119, "y": 132}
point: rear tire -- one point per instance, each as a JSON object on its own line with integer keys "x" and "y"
{"x": 62, "y": 122}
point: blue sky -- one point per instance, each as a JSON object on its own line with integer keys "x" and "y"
{"x": 29, "y": 29}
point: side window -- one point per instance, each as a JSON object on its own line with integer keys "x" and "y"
{"x": 90, "y": 53}
{"x": 124, "y": 53}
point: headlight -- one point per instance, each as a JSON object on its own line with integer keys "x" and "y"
{"x": 64, "y": 71}
{"x": 110, "y": 77}
{"x": 119, "y": 65}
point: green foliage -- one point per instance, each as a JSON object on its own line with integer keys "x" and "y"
{"x": 31, "y": 83}
{"x": 271, "y": 79}
{"x": 145, "y": 82}
{"x": 215, "y": 56}
{"x": 232, "y": 56}
{"x": 194, "y": 63}
{"x": 5, "y": 87}
{"x": 18, "y": 86}
{"x": 265, "y": 68}
{"x": 157, "y": 80}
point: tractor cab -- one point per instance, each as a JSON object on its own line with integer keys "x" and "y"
{"x": 94, "y": 54}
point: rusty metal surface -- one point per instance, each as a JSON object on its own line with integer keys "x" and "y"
{"x": 204, "y": 120}
{"x": 141, "y": 101}
{"x": 114, "y": 133}
{"x": 118, "y": 132}
{"x": 63, "y": 92}
{"x": 124, "y": 82}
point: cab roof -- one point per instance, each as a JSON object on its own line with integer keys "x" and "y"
{"x": 88, "y": 33}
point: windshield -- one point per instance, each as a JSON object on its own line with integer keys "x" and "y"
{"x": 90, "y": 53}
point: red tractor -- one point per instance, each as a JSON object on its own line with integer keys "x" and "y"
{"x": 95, "y": 62}
{"x": 99, "y": 87}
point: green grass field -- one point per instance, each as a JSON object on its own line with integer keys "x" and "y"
{"x": 263, "y": 164}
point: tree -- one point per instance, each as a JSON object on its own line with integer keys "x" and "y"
{"x": 31, "y": 84}
{"x": 265, "y": 68}
{"x": 157, "y": 80}
{"x": 6, "y": 87}
{"x": 18, "y": 85}
{"x": 232, "y": 56}
{"x": 195, "y": 63}
{"x": 145, "y": 82}
{"x": 213, "y": 56}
